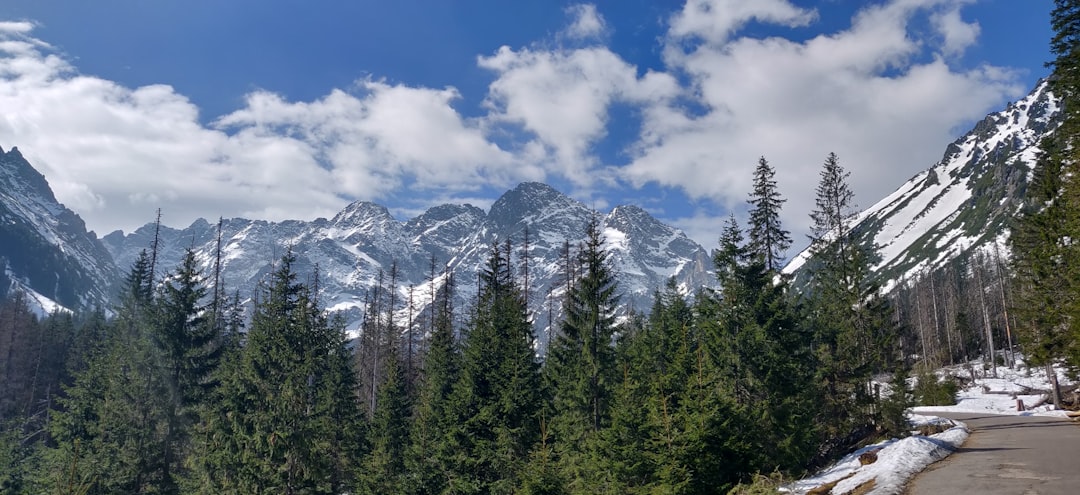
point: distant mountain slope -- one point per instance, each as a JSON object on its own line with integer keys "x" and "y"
{"x": 363, "y": 239}
{"x": 44, "y": 246}
{"x": 963, "y": 203}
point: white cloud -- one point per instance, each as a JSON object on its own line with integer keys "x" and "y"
{"x": 958, "y": 35}
{"x": 884, "y": 100}
{"x": 587, "y": 22}
{"x": 115, "y": 154}
{"x": 871, "y": 93}
{"x": 16, "y": 27}
{"x": 391, "y": 134}
{"x": 716, "y": 20}
{"x": 562, "y": 97}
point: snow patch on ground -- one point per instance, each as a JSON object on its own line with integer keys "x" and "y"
{"x": 989, "y": 395}
{"x": 899, "y": 460}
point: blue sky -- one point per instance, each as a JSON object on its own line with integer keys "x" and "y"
{"x": 288, "y": 109}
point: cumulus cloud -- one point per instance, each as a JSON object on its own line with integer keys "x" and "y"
{"x": 871, "y": 93}
{"x": 390, "y": 134}
{"x": 114, "y": 154}
{"x": 714, "y": 21}
{"x": 16, "y": 27}
{"x": 957, "y": 34}
{"x": 562, "y": 98}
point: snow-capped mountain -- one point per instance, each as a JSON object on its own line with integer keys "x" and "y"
{"x": 45, "y": 250}
{"x": 962, "y": 204}
{"x": 364, "y": 240}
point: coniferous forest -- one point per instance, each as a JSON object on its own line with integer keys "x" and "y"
{"x": 186, "y": 387}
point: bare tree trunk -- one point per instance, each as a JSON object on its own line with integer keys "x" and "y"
{"x": 985, "y": 314}
{"x": 919, "y": 322}
{"x": 1055, "y": 389}
{"x": 1004, "y": 306}
{"x": 937, "y": 321}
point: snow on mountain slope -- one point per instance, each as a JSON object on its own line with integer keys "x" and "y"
{"x": 363, "y": 242}
{"x": 961, "y": 204}
{"x": 44, "y": 247}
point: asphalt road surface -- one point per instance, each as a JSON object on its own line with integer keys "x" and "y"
{"x": 1014, "y": 455}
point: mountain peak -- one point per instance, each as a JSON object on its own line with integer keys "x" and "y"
{"x": 531, "y": 201}
{"x": 50, "y": 252}
{"x": 18, "y": 174}
{"x": 362, "y": 211}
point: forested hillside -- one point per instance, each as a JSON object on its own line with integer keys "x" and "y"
{"x": 187, "y": 390}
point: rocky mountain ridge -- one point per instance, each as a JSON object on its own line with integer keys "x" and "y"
{"x": 364, "y": 242}
{"x": 45, "y": 249}
{"x": 961, "y": 205}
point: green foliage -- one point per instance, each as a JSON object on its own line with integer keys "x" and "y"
{"x": 495, "y": 404}
{"x": 171, "y": 397}
{"x": 930, "y": 390}
{"x": 284, "y": 419}
{"x": 854, "y": 333}
{"x": 383, "y": 468}
{"x": 580, "y": 366}
{"x": 768, "y": 239}
{"x": 893, "y": 417}
{"x": 429, "y": 455}
{"x": 14, "y": 456}
{"x": 1046, "y": 257}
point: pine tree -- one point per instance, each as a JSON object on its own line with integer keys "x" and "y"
{"x": 768, "y": 239}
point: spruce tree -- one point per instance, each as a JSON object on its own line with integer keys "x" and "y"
{"x": 580, "y": 365}
{"x": 768, "y": 239}
{"x": 429, "y": 455}
{"x": 760, "y": 357}
{"x": 187, "y": 336}
{"x": 495, "y": 403}
{"x": 108, "y": 431}
{"x": 285, "y": 416}
{"x": 1039, "y": 262}
{"x": 1045, "y": 252}
{"x": 383, "y": 468}
{"x": 853, "y": 330}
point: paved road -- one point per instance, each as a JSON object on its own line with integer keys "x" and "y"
{"x": 1014, "y": 455}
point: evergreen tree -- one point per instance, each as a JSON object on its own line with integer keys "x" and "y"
{"x": 108, "y": 431}
{"x": 580, "y": 367}
{"x": 768, "y": 239}
{"x": 383, "y": 468}
{"x": 285, "y": 415}
{"x": 852, "y": 325}
{"x": 761, "y": 359}
{"x": 495, "y": 403}
{"x": 190, "y": 344}
{"x": 428, "y": 460}
{"x": 19, "y": 332}
{"x": 1045, "y": 252}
